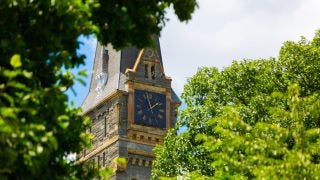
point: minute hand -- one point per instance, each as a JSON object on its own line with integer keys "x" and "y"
{"x": 157, "y": 104}
{"x": 149, "y": 103}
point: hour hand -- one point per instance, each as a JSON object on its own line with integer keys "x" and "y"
{"x": 157, "y": 104}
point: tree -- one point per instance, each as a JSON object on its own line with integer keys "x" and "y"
{"x": 254, "y": 119}
{"x": 38, "y": 47}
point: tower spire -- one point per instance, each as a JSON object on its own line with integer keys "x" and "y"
{"x": 131, "y": 105}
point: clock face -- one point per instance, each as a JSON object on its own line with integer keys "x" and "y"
{"x": 150, "y": 109}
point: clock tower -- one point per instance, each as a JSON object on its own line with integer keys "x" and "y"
{"x": 131, "y": 105}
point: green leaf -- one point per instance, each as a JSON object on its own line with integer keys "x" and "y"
{"x": 15, "y": 61}
{"x": 17, "y": 85}
{"x": 8, "y": 112}
{"x": 81, "y": 81}
{"x": 27, "y": 74}
{"x": 4, "y": 127}
{"x": 32, "y": 153}
{"x": 11, "y": 74}
{"x": 39, "y": 149}
{"x": 9, "y": 98}
{"x": 121, "y": 161}
{"x": 63, "y": 121}
{"x": 83, "y": 73}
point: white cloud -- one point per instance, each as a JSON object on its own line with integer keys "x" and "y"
{"x": 225, "y": 30}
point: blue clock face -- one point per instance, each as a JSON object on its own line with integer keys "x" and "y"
{"x": 150, "y": 109}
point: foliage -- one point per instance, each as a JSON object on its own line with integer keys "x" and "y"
{"x": 136, "y": 20}
{"x": 38, "y": 47}
{"x": 256, "y": 119}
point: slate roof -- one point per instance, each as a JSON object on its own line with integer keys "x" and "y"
{"x": 175, "y": 98}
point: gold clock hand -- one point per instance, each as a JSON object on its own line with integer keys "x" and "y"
{"x": 149, "y": 103}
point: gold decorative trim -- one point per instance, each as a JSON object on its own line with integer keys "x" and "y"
{"x": 156, "y": 89}
{"x": 137, "y": 62}
{"x": 114, "y": 94}
{"x": 142, "y": 142}
{"x": 134, "y": 69}
{"x": 140, "y": 152}
{"x": 149, "y": 130}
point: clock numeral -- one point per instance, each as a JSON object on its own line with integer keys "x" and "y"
{"x": 144, "y": 117}
{"x": 140, "y": 112}
{"x": 139, "y": 106}
{"x": 150, "y": 121}
{"x": 160, "y": 116}
{"x": 161, "y": 110}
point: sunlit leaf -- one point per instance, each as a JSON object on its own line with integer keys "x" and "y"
{"x": 15, "y": 61}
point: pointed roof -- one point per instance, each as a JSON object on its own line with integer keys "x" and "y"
{"x": 108, "y": 74}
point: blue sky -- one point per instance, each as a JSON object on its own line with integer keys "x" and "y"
{"x": 222, "y": 31}
{"x": 88, "y": 49}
